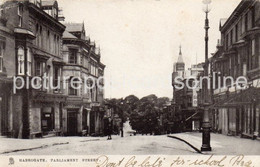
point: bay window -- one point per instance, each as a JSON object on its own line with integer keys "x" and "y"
{"x": 73, "y": 91}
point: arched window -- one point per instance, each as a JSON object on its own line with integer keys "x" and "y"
{"x": 20, "y": 55}
{"x": 29, "y": 62}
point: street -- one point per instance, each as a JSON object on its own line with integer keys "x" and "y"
{"x": 133, "y": 145}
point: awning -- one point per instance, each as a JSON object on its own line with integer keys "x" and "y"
{"x": 243, "y": 98}
{"x": 191, "y": 116}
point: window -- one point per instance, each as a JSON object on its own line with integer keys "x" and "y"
{"x": 58, "y": 45}
{"x": 54, "y": 43}
{"x": 29, "y": 62}
{"x": 73, "y": 91}
{"x": 40, "y": 37}
{"x": 253, "y": 59}
{"x": 96, "y": 71}
{"x": 73, "y": 56}
{"x": 246, "y": 22}
{"x": 1, "y": 56}
{"x": 55, "y": 13}
{"x": 20, "y": 14}
{"x": 56, "y": 76}
{"x": 37, "y": 3}
{"x": 40, "y": 68}
{"x": 39, "y": 71}
{"x": 253, "y": 47}
{"x": 20, "y": 55}
{"x": 253, "y": 16}
{"x": 236, "y": 33}
{"x": 231, "y": 37}
{"x": 48, "y": 40}
{"x": 37, "y": 36}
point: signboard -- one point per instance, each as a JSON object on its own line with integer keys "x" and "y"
{"x": 195, "y": 97}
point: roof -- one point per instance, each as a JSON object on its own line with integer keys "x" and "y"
{"x": 48, "y": 3}
{"x": 222, "y": 22}
{"x": 74, "y": 27}
{"x": 242, "y": 6}
{"x": 180, "y": 59}
{"x": 66, "y": 34}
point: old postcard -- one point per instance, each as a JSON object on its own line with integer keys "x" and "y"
{"x": 130, "y": 83}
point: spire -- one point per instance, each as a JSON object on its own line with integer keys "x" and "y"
{"x": 180, "y": 51}
{"x": 180, "y": 60}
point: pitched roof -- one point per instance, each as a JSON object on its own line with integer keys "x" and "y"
{"x": 222, "y": 22}
{"x": 74, "y": 27}
{"x": 66, "y": 34}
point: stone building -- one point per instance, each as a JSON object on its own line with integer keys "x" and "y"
{"x": 83, "y": 109}
{"x": 238, "y": 55}
{"x": 31, "y": 46}
{"x": 32, "y": 53}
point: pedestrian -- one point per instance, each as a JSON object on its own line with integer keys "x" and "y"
{"x": 109, "y": 129}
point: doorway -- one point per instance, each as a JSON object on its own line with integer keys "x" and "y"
{"x": 47, "y": 120}
{"x": 72, "y": 123}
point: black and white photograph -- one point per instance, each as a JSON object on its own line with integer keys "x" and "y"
{"x": 130, "y": 83}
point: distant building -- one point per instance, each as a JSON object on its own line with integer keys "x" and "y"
{"x": 185, "y": 100}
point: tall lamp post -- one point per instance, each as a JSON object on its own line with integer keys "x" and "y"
{"x": 206, "y": 124}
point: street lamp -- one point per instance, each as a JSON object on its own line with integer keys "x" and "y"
{"x": 122, "y": 123}
{"x": 206, "y": 124}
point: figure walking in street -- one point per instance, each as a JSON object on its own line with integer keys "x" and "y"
{"x": 110, "y": 129}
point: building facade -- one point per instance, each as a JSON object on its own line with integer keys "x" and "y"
{"x": 34, "y": 59}
{"x": 236, "y": 111}
{"x": 32, "y": 47}
{"x": 83, "y": 110}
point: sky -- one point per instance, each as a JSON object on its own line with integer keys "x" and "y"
{"x": 140, "y": 39}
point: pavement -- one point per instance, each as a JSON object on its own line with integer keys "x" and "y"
{"x": 223, "y": 144}
{"x": 128, "y": 145}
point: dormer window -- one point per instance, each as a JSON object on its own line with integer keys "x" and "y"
{"x": 54, "y": 12}
{"x": 37, "y": 3}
